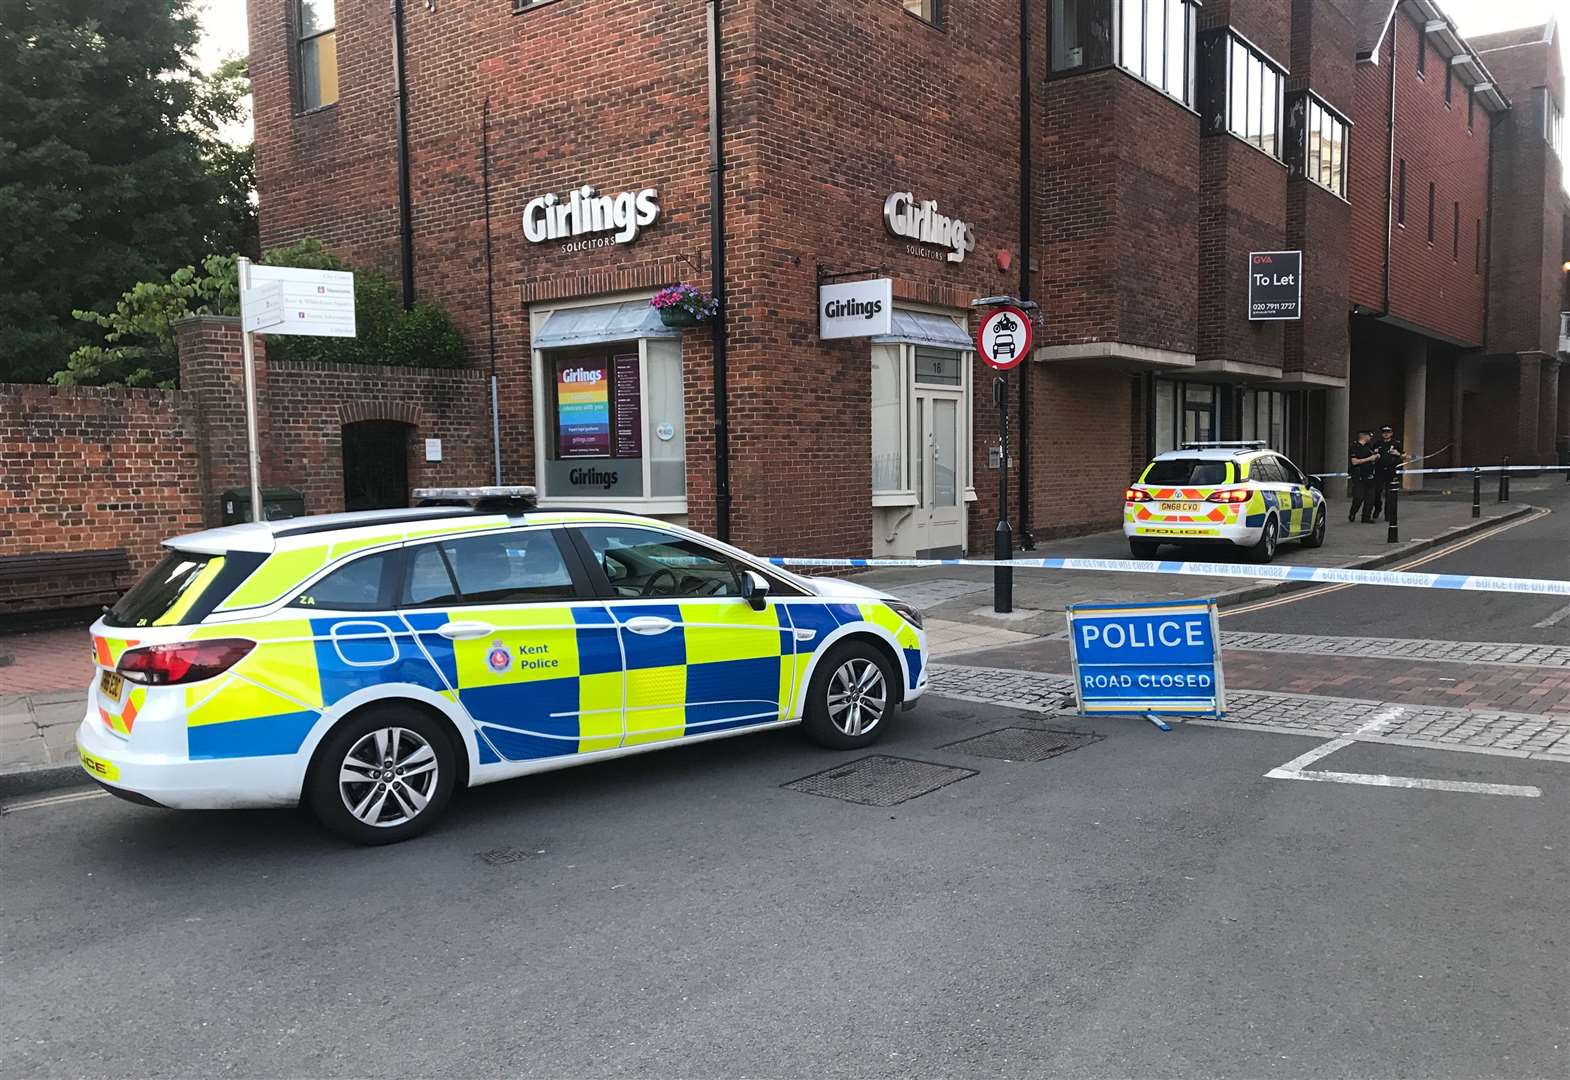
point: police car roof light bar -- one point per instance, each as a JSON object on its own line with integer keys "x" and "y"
{"x": 1234, "y": 444}
{"x": 492, "y": 499}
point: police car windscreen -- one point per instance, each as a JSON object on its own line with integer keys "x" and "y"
{"x": 156, "y": 594}
{"x": 1186, "y": 472}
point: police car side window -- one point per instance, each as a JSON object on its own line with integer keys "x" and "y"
{"x": 355, "y": 587}
{"x": 1289, "y": 472}
{"x": 643, "y": 563}
{"x": 1264, "y": 471}
{"x": 510, "y": 568}
{"x": 427, "y": 581}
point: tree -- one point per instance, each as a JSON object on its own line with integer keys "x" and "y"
{"x": 104, "y": 164}
{"x": 223, "y": 102}
{"x": 139, "y": 339}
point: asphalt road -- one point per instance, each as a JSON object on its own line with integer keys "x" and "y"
{"x": 1535, "y": 548}
{"x": 1146, "y": 905}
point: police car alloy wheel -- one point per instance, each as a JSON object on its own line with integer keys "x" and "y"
{"x": 384, "y": 776}
{"x": 1316, "y": 536}
{"x": 850, "y": 697}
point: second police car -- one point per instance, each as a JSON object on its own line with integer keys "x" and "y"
{"x": 369, "y": 664}
{"x": 1237, "y": 493}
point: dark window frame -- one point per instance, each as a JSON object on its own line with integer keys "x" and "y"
{"x": 1471, "y": 107}
{"x": 1477, "y": 248}
{"x": 1401, "y": 193}
{"x": 1422, "y": 54}
{"x": 1449, "y": 81}
{"x": 1308, "y": 114}
{"x": 1190, "y": 33}
{"x": 301, "y": 39}
{"x": 1455, "y": 235}
{"x": 936, "y": 21}
{"x": 1432, "y": 191}
{"x": 1255, "y": 60}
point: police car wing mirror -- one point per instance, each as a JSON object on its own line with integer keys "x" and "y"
{"x": 755, "y": 587}
{"x": 1317, "y": 483}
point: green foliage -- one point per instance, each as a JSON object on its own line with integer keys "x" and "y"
{"x": 111, "y": 166}
{"x": 139, "y": 339}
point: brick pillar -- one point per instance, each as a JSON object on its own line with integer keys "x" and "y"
{"x": 212, "y": 374}
{"x": 1415, "y": 415}
{"x": 1562, "y": 426}
{"x": 1547, "y": 409}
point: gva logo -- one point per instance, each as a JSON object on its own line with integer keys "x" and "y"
{"x": 551, "y": 217}
{"x": 922, "y": 222}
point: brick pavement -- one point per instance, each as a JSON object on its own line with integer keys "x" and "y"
{"x": 1542, "y": 736}
{"x": 45, "y": 660}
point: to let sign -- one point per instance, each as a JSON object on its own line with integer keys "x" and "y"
{"x": 1275, "y": 285}
{"x": 1159, "y": 657}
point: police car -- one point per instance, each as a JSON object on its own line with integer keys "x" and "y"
{"x": 1238, "y": 493}
{"x": 369, "y": 664}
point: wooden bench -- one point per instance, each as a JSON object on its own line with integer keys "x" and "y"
{"x": 106, "y": 569}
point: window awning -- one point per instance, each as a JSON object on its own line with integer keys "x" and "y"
{"x": 923, "y": 328}
{"x": 626, "y": 321}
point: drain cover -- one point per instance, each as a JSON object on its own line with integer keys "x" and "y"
{"x": 879, "y": 780}
{"x": 1023, "y": 744}
{"x": 502, "y": 856}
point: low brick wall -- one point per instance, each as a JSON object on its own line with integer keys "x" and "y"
{"x": 86, "y": 468}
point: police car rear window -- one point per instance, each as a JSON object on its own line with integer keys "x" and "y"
{"x": 1186, "y": 472}
{"x": 166, "y": 591}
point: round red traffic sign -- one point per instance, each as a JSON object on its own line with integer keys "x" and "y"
{"x": 1004, "y": 337}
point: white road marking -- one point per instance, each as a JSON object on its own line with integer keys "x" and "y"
{"x": 52, "y": 800}
{"x": 1553, "y": 620}
{"x": 1295, "y": 769}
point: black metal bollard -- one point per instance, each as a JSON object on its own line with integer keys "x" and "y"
{"x": 1504, "y": 481}
{"x": 1392, "y": 532}
{"x": 1477, "y": 492}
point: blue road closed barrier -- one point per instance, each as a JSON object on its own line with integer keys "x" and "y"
{"x": 1160, "y": 657}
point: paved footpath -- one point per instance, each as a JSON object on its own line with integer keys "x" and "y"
{"x": 1520, "y": 710}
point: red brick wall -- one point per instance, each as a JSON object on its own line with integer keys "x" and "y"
{"x": 85, "y": 469}
{"x": 1242, "y": 208}
{"x": 1429, "y": 287}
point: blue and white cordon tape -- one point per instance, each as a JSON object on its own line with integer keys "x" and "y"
{"x": 1329, "y": 574}
{"x": 1468, "y": 469}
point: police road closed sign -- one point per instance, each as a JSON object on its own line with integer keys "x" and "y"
{"x": 1004, "y": 337}
{"x": 1147, "y": 658}
{"x": 1275, "y": 285}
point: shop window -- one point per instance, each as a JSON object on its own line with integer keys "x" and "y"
{"x": 318, "y": 53}
{"x": 1324, "y": 147}
{"x": 611, "y": 422}
{"x": 902, "y": 373}
{"x": 1155, "y": 42}
{"x": 1266, "y": 416}
{"x": 930, "y": 10}
{"x": 1253, "y": 96}
{"x": 1185, "y": 413}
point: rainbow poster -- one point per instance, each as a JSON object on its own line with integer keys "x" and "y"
{"x": 583, "y": 409}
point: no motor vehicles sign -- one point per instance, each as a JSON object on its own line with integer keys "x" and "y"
{"x": 1004, "y": 338}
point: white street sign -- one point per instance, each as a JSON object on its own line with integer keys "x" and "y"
{"x": 855, "y": 309}
{"x": 263, "y": 308}
{"x": 316, "y": 303}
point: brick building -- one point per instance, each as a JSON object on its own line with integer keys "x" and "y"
{"x": 558, "y": 170}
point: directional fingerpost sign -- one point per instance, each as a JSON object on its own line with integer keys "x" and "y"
{"x": 1162, "y": 657}
{"x": 1004, "y": 338}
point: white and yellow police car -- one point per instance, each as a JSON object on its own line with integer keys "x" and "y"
{"x": 1238, "y": 493}
{"x": 369, "y": 664}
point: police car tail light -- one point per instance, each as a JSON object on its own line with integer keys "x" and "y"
{"x": 182, "y": 662}
{"x": 1134, "y": 494}
{"x": 1231, "y": 495}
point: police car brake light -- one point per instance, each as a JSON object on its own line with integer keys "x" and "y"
{"x": 1134, "y": 494}
{"x": 182, "y": 662}
{"x": 1231, "y": 495}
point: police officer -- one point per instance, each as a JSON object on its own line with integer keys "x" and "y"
{"x": 1363, "y": 459}
{"x": 1388, "y": 447}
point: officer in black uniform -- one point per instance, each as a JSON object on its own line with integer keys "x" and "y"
{"x": 1361, "y": 473}
{"x": 1388, "y": 447}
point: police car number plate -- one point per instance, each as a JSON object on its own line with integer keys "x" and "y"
{"x": 1179, "y": 508}
{"x": 111, "y": 684}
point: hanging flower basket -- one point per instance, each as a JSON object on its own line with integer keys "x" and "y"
{"x": 684, "y": 305}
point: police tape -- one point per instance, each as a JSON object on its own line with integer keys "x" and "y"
{"x": 1468, "y": 469}
{"x": 1322, "y": 574}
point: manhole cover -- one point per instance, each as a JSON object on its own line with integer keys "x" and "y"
{"x": 502, "y": 856}
{"x": 1022, "y": 744}
{"x": 879, "y": 780}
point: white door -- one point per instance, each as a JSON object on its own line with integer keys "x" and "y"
{"x": 942, "y": 465}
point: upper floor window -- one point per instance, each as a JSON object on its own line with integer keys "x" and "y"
{"x": 1324, "y": 150}
{"x": 1401, "y": 193}
{"x": 1155, "y": 40}
{"x": 1449, "y": 82}
{"x": 1471, "y": 106}
{"x": 1430, "y": 211}
{"x": 1422, "y": 52}
{"x": 924, "y": 9}
{"x": 1253, "y": 97}
{"x": 1553, "y": 122}
{"x": 318, "y": 54}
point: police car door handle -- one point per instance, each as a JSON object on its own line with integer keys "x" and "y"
{"x": 648, "y": 624}
{"x": 457, "y": 631}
